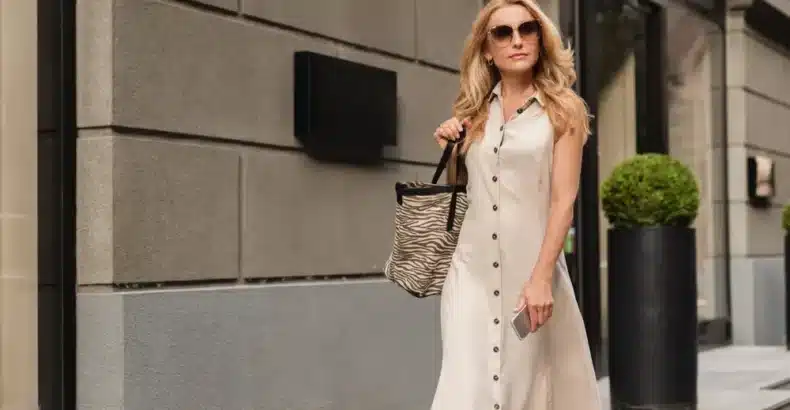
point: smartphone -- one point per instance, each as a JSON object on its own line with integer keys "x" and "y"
{"x": 520, "y": 323}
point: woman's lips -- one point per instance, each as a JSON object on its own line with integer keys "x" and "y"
{"x": 518, "y": 56}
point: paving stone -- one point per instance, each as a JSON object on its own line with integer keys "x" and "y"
{"x": 737, "y": 378}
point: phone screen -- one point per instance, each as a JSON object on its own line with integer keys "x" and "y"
{"x": 520, "y": 323}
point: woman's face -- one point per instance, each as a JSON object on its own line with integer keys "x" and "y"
{"x": 513, "y": 40}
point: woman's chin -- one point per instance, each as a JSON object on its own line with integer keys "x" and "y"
{"x": 516, "y": 67}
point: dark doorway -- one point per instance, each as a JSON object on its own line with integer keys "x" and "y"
{"x": 651, "y": 103}
{"x": 635, "y": 30}
{"x": 56, "y": 204}
{"x": 633, "y": 33}
{"x": 584, "y": 263}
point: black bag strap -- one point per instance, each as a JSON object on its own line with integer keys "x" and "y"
{"x": 446, "y": 154}
{"x": 453, "y": 205}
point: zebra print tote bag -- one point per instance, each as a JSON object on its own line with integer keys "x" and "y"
{"x": 428, "y": 220}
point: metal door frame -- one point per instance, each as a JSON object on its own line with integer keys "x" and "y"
{"x": 63, "y": 186}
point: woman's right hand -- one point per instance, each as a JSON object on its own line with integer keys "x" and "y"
{"x": 449, "y": 130}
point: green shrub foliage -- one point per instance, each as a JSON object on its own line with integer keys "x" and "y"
{"x": 650, "y": 190}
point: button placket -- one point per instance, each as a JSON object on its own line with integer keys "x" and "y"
{"x": 497, "y": 276}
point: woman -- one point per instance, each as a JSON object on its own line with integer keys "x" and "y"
{"x": 523, "y": 147}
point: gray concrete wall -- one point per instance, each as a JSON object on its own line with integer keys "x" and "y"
{"x": 758, "y": 122}
{"x": 191, "y": 185}
{"x": 333, "y": 345}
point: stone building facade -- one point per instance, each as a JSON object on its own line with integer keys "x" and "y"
{"x": 182, "y": 251}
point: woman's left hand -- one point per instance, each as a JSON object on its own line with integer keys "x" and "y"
{"x": 536, "y": 295}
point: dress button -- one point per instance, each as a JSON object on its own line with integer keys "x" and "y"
{"x": 496, "y": 349}
{"x": 520, "y": 110}
{"x": 494, "y": 178}
{"x": 501, "y": 127}
{"x": 496, "y": 378}
{"x": 496, "y": 407}
{"x": 496, "y": 149}
{"x": 494, "y": 236}
{"x": 496, "y": 264}
{"x": 496, "y": 321}
{"x": 496, "y": 207}
{"x": 496, "y": 293}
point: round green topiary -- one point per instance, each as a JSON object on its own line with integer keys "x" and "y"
{"x": 650, "y": 190}
{"x": 786, "y": 218}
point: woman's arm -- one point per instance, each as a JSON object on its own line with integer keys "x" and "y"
{"x": 566, "y": 169}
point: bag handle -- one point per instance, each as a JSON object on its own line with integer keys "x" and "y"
{"x": 446, "y": 155}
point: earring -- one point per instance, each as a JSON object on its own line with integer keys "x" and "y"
{"x": 490, "y": 62}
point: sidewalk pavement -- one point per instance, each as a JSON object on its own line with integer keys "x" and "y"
{"x": 738, "y": 378}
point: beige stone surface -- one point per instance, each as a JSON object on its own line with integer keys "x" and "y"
{"x": 442, "y": 27}
{"x": 755, "y": 232}
{"x": 153, "y": 210}
{"x": 385, "y": 25}
{"x": 187, "y": 71}
{"x": 94, "y": 62}
{"x": 230, "y": 5}
{"x": 94, "y": 208}
{"x": 305, "y": 218}
{"x": 18, "y": 197}
{"x": 190, "y": 71}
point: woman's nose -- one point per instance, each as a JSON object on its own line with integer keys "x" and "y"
{"x": 517, "y": 40}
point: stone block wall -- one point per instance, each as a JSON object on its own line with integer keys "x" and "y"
{"x": 758, "y": 124}
{"x": 205, "y": 232}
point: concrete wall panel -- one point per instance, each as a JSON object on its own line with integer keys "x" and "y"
{"x": 356, "y": 345}
{"x": 95, "y": 221}
{"x": 230, "y": 5}
{"x": 767, "y": 124}
{"x": 307, "y": 218}
{"x": 94, "y": 62}
{"x": 767, "y": 68}
{"x": 442, "y": 27}
{"x": 755, "y": 232}
{"x": 189, "y": 71}
{"x": 170, "y": 212}
{"x": 380, "y": 24}
{"x": 176, "y": 211}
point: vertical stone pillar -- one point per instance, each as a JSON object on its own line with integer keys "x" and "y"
{"x": 18, "y": 205}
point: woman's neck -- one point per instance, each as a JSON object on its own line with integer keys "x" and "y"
{"x": 520, "y": 86}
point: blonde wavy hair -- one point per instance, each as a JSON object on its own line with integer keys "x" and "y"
{"x": 553, "y": 76}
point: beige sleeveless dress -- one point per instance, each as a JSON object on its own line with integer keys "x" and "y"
{"x": 484, "y": 365}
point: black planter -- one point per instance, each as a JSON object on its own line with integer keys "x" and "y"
{"x": 652, "y": 318}
{"x": 787, "y": 290}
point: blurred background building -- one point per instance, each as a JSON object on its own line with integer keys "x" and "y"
{"x": 182, "y": 252}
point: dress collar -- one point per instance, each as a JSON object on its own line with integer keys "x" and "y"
{"x": 497, "y": 93}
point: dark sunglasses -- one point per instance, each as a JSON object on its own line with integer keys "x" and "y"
{"x": 504, "y": 33}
